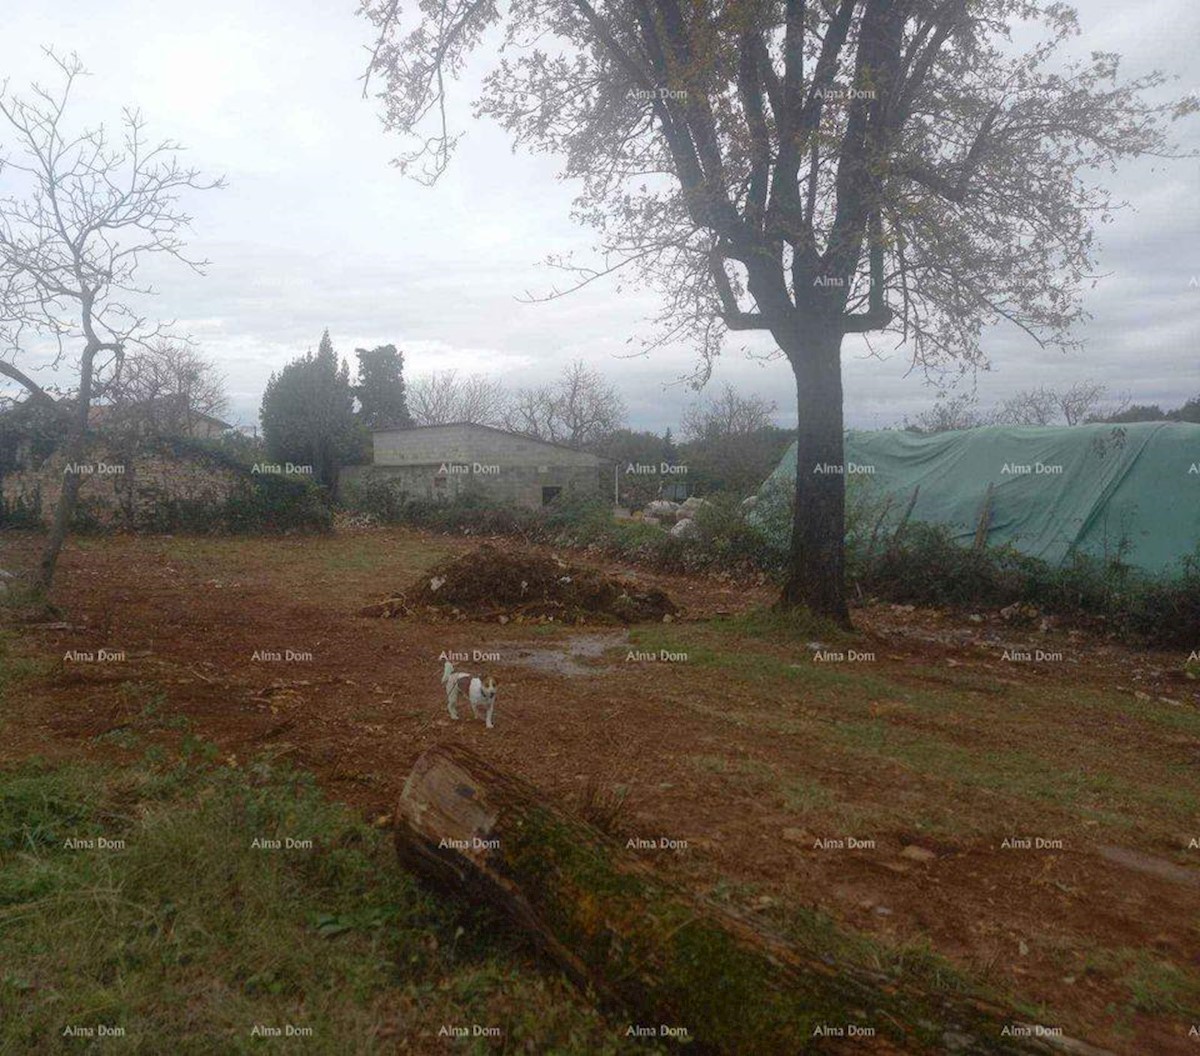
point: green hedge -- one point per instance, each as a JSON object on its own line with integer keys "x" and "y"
{"x": 21, "y": 513}
{"x": 927, "y": 567}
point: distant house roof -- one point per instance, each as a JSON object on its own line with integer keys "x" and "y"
{"x": 490, "y": 429}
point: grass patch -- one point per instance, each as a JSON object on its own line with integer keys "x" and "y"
{"x": 777, "y": 625}
{"x": 1155, "y": 987}
{"x": 343, "y": 569}
{"x": 1082, "y": 791}
{"x": 815, "y": 804}
{"x": 816, "y": 933}
{"x": 16, "y": 669}
{"x": 137, "y": 898}
{"x": 1055, "y": 761}
{"x": 23, "y": 601}
{"x": 757, "y": 772}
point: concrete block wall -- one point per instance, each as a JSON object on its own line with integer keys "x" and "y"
{"x": 441, "y": 462}
{"x": 520, "y": 485}
{"x": 468, "y": 444}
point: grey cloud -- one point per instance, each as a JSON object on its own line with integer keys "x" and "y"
{"x": 317, "y": 230}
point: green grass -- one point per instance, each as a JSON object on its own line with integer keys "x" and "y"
{"x": 817, "y": 933}
{"x": 1158, "y": 987}
{"x": 186, "y": 935}
{"x": 340, "y": 567}
{"x": 1053, "y": 759}
{"x": 812, "y": 802}
{"x": 776, "y": 625}
{"x": 16, "y": 669}
{"x": 1154, "y": 986}
{"x": 1050, "y": 779}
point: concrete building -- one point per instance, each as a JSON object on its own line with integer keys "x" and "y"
{"x": 441, "y": 461}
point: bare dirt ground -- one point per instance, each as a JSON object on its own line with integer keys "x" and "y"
{"x": 892, "y": 783}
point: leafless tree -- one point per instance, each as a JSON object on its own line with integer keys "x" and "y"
{"x": 481, "y": 400}
{"x": 83, "y": 214}
{"x": 1047, "y": 406}
{"x": 586, "y": 407}
{"x": 1081, "y": 400}
{"x": 431, "y": 398}
{"x": 808, "y": 169}
{"x": 1029, "y": 407}
{"x": 729, "y": 413}
{"x": 579, "y": 409}
{"x": 164, "y": 388}
{"x": 947, "y": 414}
{"x": 444, "y": 396}
{"x": 531, "y": 411}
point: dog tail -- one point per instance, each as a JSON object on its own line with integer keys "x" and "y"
{"x": 450, "y": 676}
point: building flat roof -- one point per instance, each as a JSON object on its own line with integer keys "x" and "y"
{"x": 491, "y": 429}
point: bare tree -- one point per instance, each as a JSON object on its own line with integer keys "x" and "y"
{"x": 1081, "y": 400}
{"x": 164, "y": 389}
{"x": 443, "y": 397}
{"x": 531, "y": 411}
{"x": 431, "y": 398}
{"x": 481, "y": 400}
{"x": 947, "y": 414}
{"x": 1046, "y": 406}
{"x": 727, "y": 414}
{"x": 88, "y": 212}
{"x": 808, "y": 169}
{"x": 586, "y": 407}
{"x": 1029, "y": 407}
{"x": 579, "y": 409}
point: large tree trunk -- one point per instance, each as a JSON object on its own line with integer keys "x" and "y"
{"x": 76, "y": 450}
{"x": 649, "y": 952}
{"x": 816, "y": 565}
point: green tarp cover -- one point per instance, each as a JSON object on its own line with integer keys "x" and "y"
{"x": 1088, "y": 488}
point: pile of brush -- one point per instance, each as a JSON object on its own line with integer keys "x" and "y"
{"x": 490, "y": 584}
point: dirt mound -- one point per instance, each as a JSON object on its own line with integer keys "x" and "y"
{"x": 517, "y": 585}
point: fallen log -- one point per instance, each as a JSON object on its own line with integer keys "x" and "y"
{"x": 671, "y": 964}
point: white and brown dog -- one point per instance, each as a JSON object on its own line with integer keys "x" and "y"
{"x": 480, "y": 692}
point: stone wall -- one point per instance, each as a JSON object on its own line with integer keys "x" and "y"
{"x": 121, "y": 490}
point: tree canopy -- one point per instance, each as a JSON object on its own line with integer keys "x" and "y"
{"x": 380, "y": 388}
{"x": 308, "y": 413}
{"x": 931, "y": 176}
{"x": 808, "y": 169}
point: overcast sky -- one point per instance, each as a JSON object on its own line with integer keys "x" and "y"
{"x": 316, "y": 230}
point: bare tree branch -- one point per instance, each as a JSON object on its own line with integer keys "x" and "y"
{"x": 87, "y": 212}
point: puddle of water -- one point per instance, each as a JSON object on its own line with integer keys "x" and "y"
{"x": 575, "y": 657}
{"x": 1151, "y": 866}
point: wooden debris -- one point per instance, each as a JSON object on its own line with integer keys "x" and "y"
{"x": 648, "y": 951}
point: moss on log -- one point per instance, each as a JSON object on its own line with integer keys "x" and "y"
{"x": 653, "y": 953}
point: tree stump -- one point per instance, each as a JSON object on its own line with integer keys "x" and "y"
{"x": 666, "y": 963}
